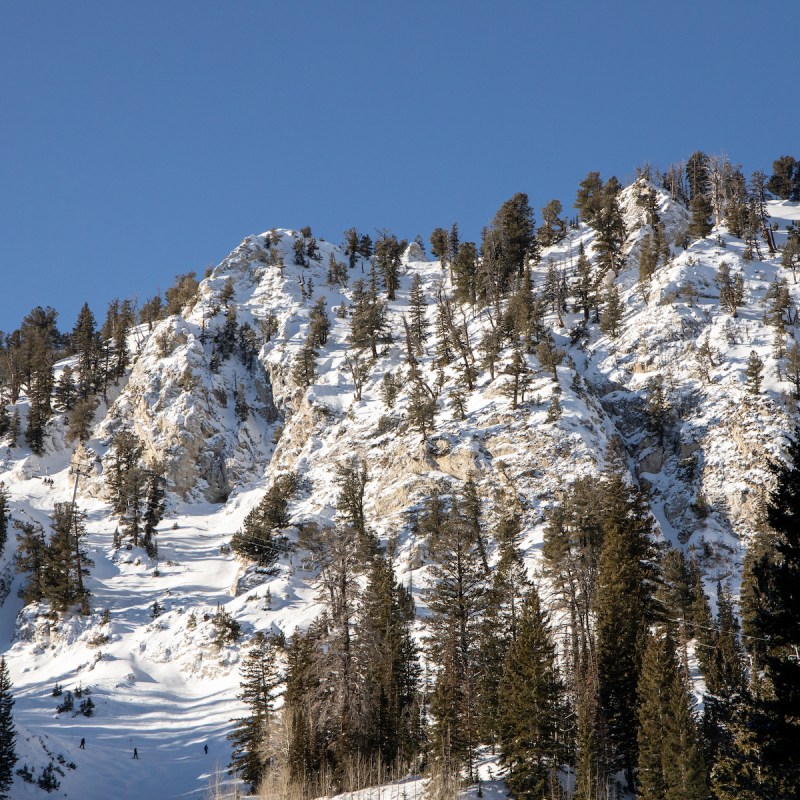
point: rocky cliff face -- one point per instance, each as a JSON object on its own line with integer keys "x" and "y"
{"x": 705, "y": 469}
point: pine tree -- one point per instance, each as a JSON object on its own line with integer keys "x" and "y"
{"x": 351, "y": 478}
{"x": 623, "y": 609}
{"x": 771, "y": 616}
{"x": 389, "y": 671}
{"x": 520, "y": 374}
{"x": 456, "y": 599}
{"x": 8, "y": 733}
{"x": 422, "y": 407}
{"x": 553, "y": 228}
{"x": 67, "y": 560}
{"x": 610, "y": 230}
{"x": 4, "y": 516}
{"x": 440, "y": 244}
{"x": 465, "y": 273}
{"x": 671, "y": 765}
{"x": 589, "y": 197}
{"x": 31, "y": 559}
{"x": 697, "y": 176}
{"x": 700, "y": 224}
{"x": 300, "y": 710}
{"x": 754, "y": 374}
{"x": 87, "y": 346}
{"x": 368, "y": 326}
{"x": 258, "y": 539}
{"x": 65, "y": 392}
{"x": 388, "y": 254}
{"x": 613, "y": 309}
{"x": 731, "y": 287}
{"x": 584, "y": 287}
{"x": 515, "y": 228}
{"x": 530, "y": 707}
{"x": 304, "y": 366}
{"x": 785, "y": 180}
{"x": 417, "y": 308}
{"x": 500, "y": 627}
{"x": 250, "y": 736}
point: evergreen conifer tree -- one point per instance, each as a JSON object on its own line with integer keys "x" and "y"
{"x": 8, "y": 733}
{"x": 623, "y": 610}
{"x": 530, "y": 707}
{"x": 771, "y": 616}
{"x": 250, "y": 736}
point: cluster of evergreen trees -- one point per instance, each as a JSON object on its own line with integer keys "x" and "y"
{"x": 136, "y": 491}
{"x": 56, "y": 566}
{"x": 596, "y": 693}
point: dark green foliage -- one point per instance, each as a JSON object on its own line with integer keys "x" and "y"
{"x": 553, "y": 228}
{"x": 791, "y": 252}
{"x": 368, "y": 327}
{"x": 610, "y": 228}
{"x": 722, "y": 661}
{"x": 319, "y": 323}
{"x": 612, "y": 311}
{"x": 456, "y": 599}
{"x": 697, "y": 177}
{"x": 55, "y": 569}
{"x": 700, "y": 224}
{"x": 623, "y": 609}
{"x": 299, "y": 249}
{"x": 500, "y": 627}
{"x": 520, "y": 380}
{"x": 465, "y": 273}
{"x": 671, "y": 765}
{"x": 80, "y": 419}
{"x": 65, "y": 392}
{"x": 4, "y": 516}
{"x": 440, "y": 244}
{"x": 226, "y": 336}
{"x": 589, "y": 199}
{"x": 305, "y": 743}
{"x": 771, "y": 616}
{"x": 88, "y": 347}
{"x": 120, "y": 318}
{"x": 422, "y": 407}
{"x": 530, "y": 707}
{"x": 67, "y": 561}
{"x": 31, "y": 559}
{"x": 227, "y": 629}
{"x": 515, "y": 227}
{"x": 351, "y": 478}
{"x": 258, "y": 539}
{"x": 388, "y": 253}
{"x": 304, "y": 366}
{"x": 151, "y": 311}
{"x": 249, "y": 739}
{"x": 585, "y": 286}
{"x": 182, "y": 293}
{"x": 731, "y": 288}
{"x": 8, "y": 733}
{"x": 248, "y": 345}
{"x": 389, "y": 672}
{"x": 418, "y": 324}
{"x": 754, "y": 373}
{"x": 47, "y": 780}
{"x": 785, "y": 180}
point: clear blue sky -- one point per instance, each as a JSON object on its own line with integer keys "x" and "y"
{"x": 141, "y": 140}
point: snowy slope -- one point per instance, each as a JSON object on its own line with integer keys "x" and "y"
{"x": 166, "y": 686}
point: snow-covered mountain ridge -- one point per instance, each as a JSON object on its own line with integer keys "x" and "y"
{"x": 224, "y": 429}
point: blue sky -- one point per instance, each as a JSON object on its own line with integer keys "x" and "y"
{"x": 142, "y": 140}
